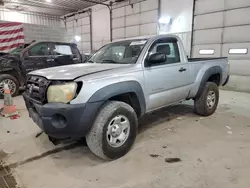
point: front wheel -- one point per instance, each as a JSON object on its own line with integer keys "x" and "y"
{"x": 12, "y": 83}
{"x": 114, "y": 130}
{"x": 207, "y": 102}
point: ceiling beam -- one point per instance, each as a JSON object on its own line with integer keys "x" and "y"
{"x": 33, "y": 4}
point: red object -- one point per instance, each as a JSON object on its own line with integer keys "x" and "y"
{"x": 14, "y": 117}
{"x": 11, "y": 36}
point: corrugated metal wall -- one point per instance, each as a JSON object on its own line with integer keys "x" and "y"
{"x": 222, "y": 28}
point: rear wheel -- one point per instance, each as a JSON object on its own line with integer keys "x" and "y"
{"x": 12, "y": 83}
{"x": 114, "y": 131}
{"x": 207, "y": 102}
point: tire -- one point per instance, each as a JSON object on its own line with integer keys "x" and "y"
{"x": 14, "y": 81}
{"x": 98, "y": 137}
{"x": 201, "y": 104}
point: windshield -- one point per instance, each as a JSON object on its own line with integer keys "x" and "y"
{"x": 124, "y": 52}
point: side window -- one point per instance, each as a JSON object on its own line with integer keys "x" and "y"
{"x": 62, "y": 49}
{"x": 39, "y": 50}
{"x": 170, "y": 48}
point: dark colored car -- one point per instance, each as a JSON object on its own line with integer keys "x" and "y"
{"x": 39, "y": 55}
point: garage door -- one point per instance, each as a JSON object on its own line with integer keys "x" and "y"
{"x": 222, "y": 28}
{"x": 138, "y": 19}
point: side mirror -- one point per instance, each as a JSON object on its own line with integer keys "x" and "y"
{"x": 26, "y": 55}
{"x": 156, "y": 58}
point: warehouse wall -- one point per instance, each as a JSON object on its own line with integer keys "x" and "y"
{"x": 222, "y": 28}
{"x": 181, "y": 14}
{"x": 131, "y": 19}
{"x": 43, "y": 33}
{"x": 36, "y": 27}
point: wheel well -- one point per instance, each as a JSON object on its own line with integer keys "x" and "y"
{"x": 13, "y": 73}
{"x": 214, "y": 78}
{"x": 131, "y": 99}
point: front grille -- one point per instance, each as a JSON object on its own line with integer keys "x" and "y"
{"x": 37, "y": 87}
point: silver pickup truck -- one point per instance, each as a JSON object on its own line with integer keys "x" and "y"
{"x": 102, "y": 99}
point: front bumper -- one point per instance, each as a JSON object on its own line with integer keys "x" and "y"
{"x": 61, "y": 120}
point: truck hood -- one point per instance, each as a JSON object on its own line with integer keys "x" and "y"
{"x": 9, "y": 60}
{"x": 71, "y": 72}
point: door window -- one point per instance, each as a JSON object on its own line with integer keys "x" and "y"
{"x": 39, "y": 50}
{"x": 62, "y": 49}
{"x": 170, "y": 48}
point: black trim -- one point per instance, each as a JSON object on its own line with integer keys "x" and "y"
{"x": 209, "y": 72}
{"x": 61, "y": 120}
{"x": 225, "y": 83}
{"x": 112, "y": 90}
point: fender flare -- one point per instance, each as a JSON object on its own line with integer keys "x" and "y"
{"x": 18, "y": 73}
{"x": 115, "y": 89}
{"x": 209, "y": 72}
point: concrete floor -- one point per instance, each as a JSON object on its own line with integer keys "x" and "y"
{"x": 214, "y": 151}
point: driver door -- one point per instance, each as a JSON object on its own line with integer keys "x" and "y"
{"x": 36, "y": 57}
{"x": 167, "y": 82}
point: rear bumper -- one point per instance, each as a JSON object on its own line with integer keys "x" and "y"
{"x": 226, "y": 81}
{"x": 61, "y": 120}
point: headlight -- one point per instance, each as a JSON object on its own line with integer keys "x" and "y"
{"x": 62, "y": 93}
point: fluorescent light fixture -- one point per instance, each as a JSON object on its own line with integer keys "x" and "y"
{"x": 77, "y": 38}
{"x": 48, "y": 1}
{"x": 206, "y": 52}
{"x": 165, "y": 20}
{"x": 238, "y": 51}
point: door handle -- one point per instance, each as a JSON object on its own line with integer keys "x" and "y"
{"x": 76, "y": 59}
{"x": 182, "y": 69}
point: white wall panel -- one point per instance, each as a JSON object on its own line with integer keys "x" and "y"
{"x": 240, "y": 67}
{"x": 149, "y": 16}
{"x": 86, "y": 37}
{"x": 85, "y": 21}
{"x": 149, "y": 5}
{"x": 133, "y": 20}
{"x": 132, "y": 9}
{"x": 119, "y": 12}
{"x": 237, "y": 17}
{"x": 148, "y": 29}
{"x": 236, "y": 34}
{"x": 210, "y": 36}
{"x": 208, "y": 6}
{"x": 132, "y": 31}
{"x": 118, "y": 22}
{"x": 230, "y": 4}
{"x": 101, "y": 25}
{"x": 119, "y": 33}
{"x": 207, "y": 21}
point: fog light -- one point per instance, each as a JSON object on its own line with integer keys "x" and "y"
{"x": 59, "y": 121}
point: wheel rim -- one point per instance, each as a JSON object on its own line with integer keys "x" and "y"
{"x": 118, "y": 131}
{"x": 211, "y": 99}
{"x": 11, "y": 84}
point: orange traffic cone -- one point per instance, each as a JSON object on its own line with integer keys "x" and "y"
{"x": 9, "y": 109}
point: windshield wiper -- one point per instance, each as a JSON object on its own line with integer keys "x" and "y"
{"x": 109, "y": 61}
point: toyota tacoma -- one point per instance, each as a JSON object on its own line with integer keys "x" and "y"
{"x": 102, "y": 99}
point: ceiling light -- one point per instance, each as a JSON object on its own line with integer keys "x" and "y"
{"x": 165, "y": 20}
{"x": 77, "y": 38}
{"x": 48, "y": 1}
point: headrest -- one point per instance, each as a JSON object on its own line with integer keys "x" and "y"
{"x": 163, "y": 49}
